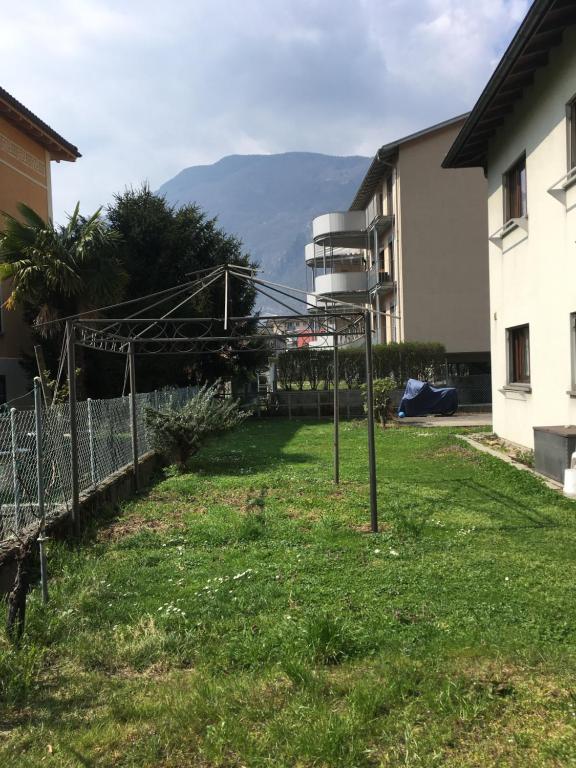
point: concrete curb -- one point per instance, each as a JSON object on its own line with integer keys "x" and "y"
{"x": 552, "y": 484}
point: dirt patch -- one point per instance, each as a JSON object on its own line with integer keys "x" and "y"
{"x": 129, "y": 526}
{"x": 459, "y": 451}
{"x": 515, "y": 452}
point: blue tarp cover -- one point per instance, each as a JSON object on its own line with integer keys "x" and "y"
{"x": 420, "y": 398}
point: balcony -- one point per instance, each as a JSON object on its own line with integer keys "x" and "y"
{"x": 380, "y": 279}
{"x": 343, "y": 230}
{"x": 320, "y": 256}
{"x": 341, "y": 283}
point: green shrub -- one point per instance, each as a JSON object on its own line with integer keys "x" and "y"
{"x": 382, "y": 390}
{"x": 179, "y": 434}
{"x": 397, "y": 360}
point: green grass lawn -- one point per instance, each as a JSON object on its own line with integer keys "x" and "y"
{"x": 242, "y": 615}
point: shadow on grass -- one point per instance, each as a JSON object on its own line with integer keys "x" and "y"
{"x": 507, "y": 511}
{"x": 257, "y": 446}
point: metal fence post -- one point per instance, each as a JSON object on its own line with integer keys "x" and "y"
{"x": 318, "y": 403}
{"x": 16, "y": 482}
{"x": 370, "y": 415}
{"x": 289, "y": 400}
{"x": 40, "y": 487}
{"x": 71, "y": 345}
{"x": 133, "y": 412}
{"x": 336, "y": 412}
{"x": 91, "y": 441}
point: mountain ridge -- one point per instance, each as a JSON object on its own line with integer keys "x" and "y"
{"x": 269, "y": 201}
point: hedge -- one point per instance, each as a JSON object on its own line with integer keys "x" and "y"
{"x": 312, "y": 367}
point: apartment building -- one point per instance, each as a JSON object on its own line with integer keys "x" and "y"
{"x": 413, "y": 247}
{"x": 27, "y": 148}
{"x": 522, "y": 132}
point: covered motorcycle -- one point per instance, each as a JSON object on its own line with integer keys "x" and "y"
{"x": 421, "y": 399}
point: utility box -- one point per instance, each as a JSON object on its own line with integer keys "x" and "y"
{"x": 553, "y": 448}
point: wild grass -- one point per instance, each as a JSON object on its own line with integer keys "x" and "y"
{"x": 241, "y": 615}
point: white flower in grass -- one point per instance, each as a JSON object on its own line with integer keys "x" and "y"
{"x": 394, "y": 553}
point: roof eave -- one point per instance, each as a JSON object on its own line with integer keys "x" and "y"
{"x": 527, "y": 52}
{"x": 16, "y": 113}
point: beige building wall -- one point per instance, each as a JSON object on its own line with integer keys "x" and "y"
{"x": 24, "y": 177}
{"x": 533, "y": 273}
{"x": 442, "y": 250}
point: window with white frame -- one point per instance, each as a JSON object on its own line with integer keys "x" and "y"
{"x": 515, "y": 191}
{"x": 518, "y": 354}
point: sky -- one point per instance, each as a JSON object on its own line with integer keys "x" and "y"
{"x": 147, "y": 88}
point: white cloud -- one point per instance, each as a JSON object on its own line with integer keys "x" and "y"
{"x": 146, "y": 88}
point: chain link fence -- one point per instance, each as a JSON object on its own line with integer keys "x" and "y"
{"x": 104, "y": 447}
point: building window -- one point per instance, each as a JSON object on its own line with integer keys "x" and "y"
{"x": 519, "y": 355}
{"x": 515, "y": 191}
{"x": 392, "y": 322}
{"x": 571, "y": 115}
{"x": 389, "y": 206}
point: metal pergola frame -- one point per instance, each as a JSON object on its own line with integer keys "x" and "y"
{"x": 169, "y": 335}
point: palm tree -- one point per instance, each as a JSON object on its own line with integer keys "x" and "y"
{"x": 54, "y": 272}
{"x": 58, "y": 271}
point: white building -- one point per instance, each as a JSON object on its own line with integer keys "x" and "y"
{"x": 522, "y": 132}
{"x": 412, "y": 246}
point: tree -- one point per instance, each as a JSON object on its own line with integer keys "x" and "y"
{"x": 56, "y": 271}
{"x": 159, "y": 247}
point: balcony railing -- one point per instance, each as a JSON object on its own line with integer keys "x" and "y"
{"x": 341, "y": 283}
{"x": 343, "y": 229}
{"x": 379, "y": 278}
{"x": 320, "y": 256}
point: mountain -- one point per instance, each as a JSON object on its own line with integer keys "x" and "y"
{"x": 269, "y": 201}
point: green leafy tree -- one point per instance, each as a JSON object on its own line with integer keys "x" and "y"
{"x": 56, "y": 271}
{"x": 159, "y": 247}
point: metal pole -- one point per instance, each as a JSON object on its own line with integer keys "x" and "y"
{"x": 133, "y": 414}
{"x": 370, "y": 415}
{"x": 226, "y": 299}
{"x": 16, "y": 481}
{"x": 71, "y": 348}
{"x": 40, "y": 486}
{"x": 91, "y": 441}
{"x": 336, "y": 413}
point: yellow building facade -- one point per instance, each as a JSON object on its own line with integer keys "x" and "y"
{"x": 27, "y": 148}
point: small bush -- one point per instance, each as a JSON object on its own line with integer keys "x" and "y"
{"x": 382, "y": 389}
{"x": 179, "y": 434}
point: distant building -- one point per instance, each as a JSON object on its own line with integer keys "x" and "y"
{"x": 27, "y": 146}
{"x": 412, "y": 246}
{"x": 522, "y": 132}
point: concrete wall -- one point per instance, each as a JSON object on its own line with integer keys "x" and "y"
{"x": 443, "y": 250}
{"x": 24, "y": 177}
{"x": 533, "y": 274}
